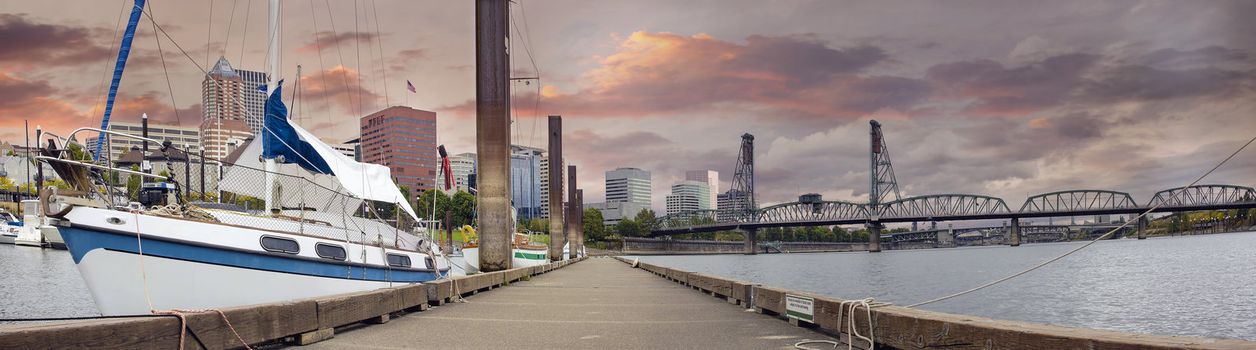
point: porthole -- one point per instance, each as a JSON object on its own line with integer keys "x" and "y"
{"x": 282, "y": 245}
{"x": 328, "y": 251}
{"x": 398, "y": 260}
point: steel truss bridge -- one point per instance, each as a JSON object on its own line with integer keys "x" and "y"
{"x": 953, "y": 207}
{"x": 886, "y": 205}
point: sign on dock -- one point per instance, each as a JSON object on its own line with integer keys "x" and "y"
{"x": 800, "y": 307}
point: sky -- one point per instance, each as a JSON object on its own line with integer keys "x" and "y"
{"x": 1001, "y": 98}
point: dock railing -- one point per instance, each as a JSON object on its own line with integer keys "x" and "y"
{"x": 899, "y": 327}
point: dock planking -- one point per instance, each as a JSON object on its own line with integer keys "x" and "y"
{"x": 598, "y": 303}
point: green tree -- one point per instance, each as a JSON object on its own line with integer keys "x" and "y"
{"x": 594, "y": 230}
{"x": 463, "y": 207}
{"x": 424, "y": 205}
{"x": 133, "y": 184}
{"x": 646, "y": 219}
{"x": 629, "y": 228}
{"x": 538, "y": 225}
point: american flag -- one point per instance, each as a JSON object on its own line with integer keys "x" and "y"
{"x": 410, "y": 86}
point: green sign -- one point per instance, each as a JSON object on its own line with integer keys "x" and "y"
{"x": 800, "y": 307}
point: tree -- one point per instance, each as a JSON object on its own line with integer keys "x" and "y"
{"x": 840, "y": 234}
{"x": 594, "y": 230}
{"x": 463, "y": 207}
{"x": 629, "y": 228}
{"x": 646, "y": 219}
{"x": 7, "y": 184}
{"x": 424, "y": 205}
{"x": 538, "y": 225}
{"x": 133, "y": 184}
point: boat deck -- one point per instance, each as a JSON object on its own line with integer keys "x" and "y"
{"x": 599, "y": 303}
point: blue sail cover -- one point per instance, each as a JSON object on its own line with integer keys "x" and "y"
{"x": 280, "y": 139}
{"x": 124, "y": 50}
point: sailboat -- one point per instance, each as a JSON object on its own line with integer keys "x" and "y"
{"x": 523, "y": 252}
{"x": 327, "y": 224}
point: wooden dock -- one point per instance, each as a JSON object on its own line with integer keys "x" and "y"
{"x": 601, "y": 303}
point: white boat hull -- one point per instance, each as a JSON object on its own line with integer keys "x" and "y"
{"x": 196, "y": 265}
{"x": 118, "y": 285}
{"x": 7, "y": 239}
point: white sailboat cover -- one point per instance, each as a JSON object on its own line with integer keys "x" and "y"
{"x": 311, "y": 159}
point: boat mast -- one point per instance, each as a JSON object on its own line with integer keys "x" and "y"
{"x": 272, "y": 77}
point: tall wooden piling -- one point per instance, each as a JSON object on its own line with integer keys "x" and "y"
{"x": 492, "y": 127}
{"x": 573, "y": 213}
{"x": 558, "y": 235}
{"x": 578, "y": 243}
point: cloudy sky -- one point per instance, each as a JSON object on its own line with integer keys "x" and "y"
{"x": 992, "y": 97}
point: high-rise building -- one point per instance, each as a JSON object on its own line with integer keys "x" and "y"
{"x": 234, "y": 104}
{"x": 462, "y": 165}
{"x": 183, "y": 137}
{"x": 712, "y": 179}
{"x": 404, "y": 140}
{"x": 730, "y": 204}
{"x": 628, "y": 185}
{"x": 545, "y": 185}
{"x": 688, "y": 196}
{"x": 525, "y": 181}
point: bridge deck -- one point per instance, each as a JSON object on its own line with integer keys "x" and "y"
{"x": 598, "y": 303}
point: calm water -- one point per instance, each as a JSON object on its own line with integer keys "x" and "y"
{"x": 38, "y": 282}
{"x": 1198, "y": 285}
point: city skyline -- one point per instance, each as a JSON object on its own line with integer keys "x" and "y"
{"x": 1101, "y": 94}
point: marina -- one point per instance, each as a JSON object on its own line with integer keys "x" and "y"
{"x": 306, "y": 205}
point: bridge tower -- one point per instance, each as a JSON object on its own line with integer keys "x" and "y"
{"x": 883, "y": 184}
{"x": 742, "y": 192}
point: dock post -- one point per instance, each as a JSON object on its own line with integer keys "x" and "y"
{"x": 1142, "y": 228}
{"x": 557, "y": 231}
{"x": 572, "y": 214}
{"x": 492, "y": 125}
{"x": 752, "y": 241}
{"x": 1015, "y": 233}
{"x": 578, "y": 242}
{"x": 874, "y": 237}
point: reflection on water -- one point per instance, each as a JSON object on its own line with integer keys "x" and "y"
{"x": 1195, "y": 285}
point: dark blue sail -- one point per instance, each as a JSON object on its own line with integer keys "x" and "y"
{"x": 123, "y": 51}
{"x": 279, "y": 139}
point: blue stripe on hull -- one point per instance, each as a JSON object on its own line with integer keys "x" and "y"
{"x": 81, "y": 241}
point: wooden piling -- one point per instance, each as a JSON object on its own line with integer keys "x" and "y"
{"x": 492, "y": 125}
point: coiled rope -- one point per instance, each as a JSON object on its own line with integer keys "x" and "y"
{"x": 849, "y": 308}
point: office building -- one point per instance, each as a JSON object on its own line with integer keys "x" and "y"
{"x": 628, "y": 185}
{"x": 730, "y": 204}
{"x": 462, "y": 165}
{"x": 614, "y": 212}
{"x": 545, "y": 185}
{"x": 234, "y": 103}
{"x": 525, "y": 181}
{"x": 184, "y": 138}
{"x": 712, "y": 179}
{"x": 404, "y": 140}
{"x": 688, "y": 196}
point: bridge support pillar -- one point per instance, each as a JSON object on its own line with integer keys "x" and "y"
{"x": 874, "y": 237}
{"x": 752, "y": 241}
{"x": 1015, "y": 233}
{"x": 1142, "y": 228}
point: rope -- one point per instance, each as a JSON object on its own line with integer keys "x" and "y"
{"x": 183, "y": 323}
{"x": 849, "y": 309}
{"x": 1104, "y": 236}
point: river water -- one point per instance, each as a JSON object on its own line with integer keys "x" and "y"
{"x": 1194, "y": 285}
